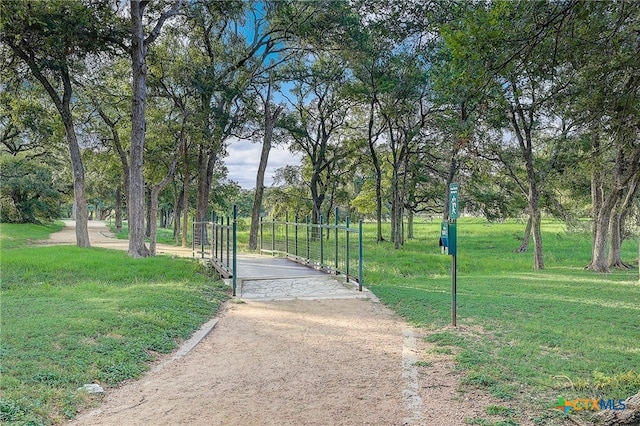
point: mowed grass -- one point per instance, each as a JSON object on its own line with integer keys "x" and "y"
{"x": 17, "y": 235}
{"x": 526, "y": 336}
{"x": 72, "y": 316}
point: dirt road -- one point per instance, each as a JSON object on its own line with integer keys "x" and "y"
{"x": 297, "y": 362}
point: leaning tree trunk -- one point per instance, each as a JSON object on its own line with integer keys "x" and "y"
{"x": 269, "y": 125}
{"x": 206, "y": 164}
{"x": 617, "y": 222}
{"x": 63, "y": 105}
{"x": 82, "y": 213}
{"x": 376, "y": 165}
{"x": 177, "y": 212}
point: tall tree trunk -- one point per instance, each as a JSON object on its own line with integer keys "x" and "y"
{"x": 522, "y": 125}
{"x": 397, "y": 211}
{"x": 317, "y": 198}
{"x": 397, "y": 201}
{"x": 185, "y": 200}
{"x": 378, "y": 170}
{"x": 536, "y": 223}
{"x": 137, "y": 247}
{"x": 394, "y": 206}
{"x": 270, "y": 119}
{"x": 149, "y": 216}
{"x": 597, "y": 195}
{"x": 82, "y": 212}
{"x": 257, "y": 200}
{"x": 139, "y": 43}
{"x": 177, "y": 212}
{"x": 206, "y": 164}
{"x": 410, "y": 224}
{"x": 63, "y": 105}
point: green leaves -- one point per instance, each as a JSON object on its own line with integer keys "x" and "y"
{"x": 27, "y": 192}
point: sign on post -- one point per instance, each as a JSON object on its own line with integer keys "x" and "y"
{"x": 454, "y": 207}
{"x": 444, "y": 237}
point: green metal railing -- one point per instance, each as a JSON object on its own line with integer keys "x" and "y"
{"x": 216, "y": 241}
{"x": 335, "y": 248}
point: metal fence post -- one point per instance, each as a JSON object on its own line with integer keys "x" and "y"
{"x": 286, "y": 233}
{"x": 336, "y": 242}
{"x": 321, "y": 242}
{"x": 235, "y": 248}
{"x": 219, "y": 223}
{"x": 308, "y": 243}
{"x": 360, "y": 276}
{"x": 214, "y": 235}
{"x": 273, "y": 237}
{"x": 228, "y": 240}
{"x": 296, "y": 234}
{"x": 261, "y": 234}
{"x": 202, "y": 229}
{"x": 346, "y": 224}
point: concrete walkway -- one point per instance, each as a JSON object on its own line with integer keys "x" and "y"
{"x": 268, "y": 278}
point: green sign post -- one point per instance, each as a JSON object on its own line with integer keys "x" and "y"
{"x": 454, "y": 207}
{"x": 454, "y": 213}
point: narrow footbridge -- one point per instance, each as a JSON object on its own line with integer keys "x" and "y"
{"x": 278, "y": 278}
{"x": 297, "y": 260}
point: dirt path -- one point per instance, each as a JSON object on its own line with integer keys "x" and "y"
{"x": 101, "y": 236}
{"x": 317, "y": 362}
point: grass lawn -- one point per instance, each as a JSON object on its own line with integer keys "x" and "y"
{"x": 73, "y": 316}
{"x": 526, "y": 336}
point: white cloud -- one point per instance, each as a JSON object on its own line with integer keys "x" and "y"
{"x": 244, "y": 156}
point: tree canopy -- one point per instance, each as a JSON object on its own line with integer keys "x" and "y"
{"x": 532, "y": 106}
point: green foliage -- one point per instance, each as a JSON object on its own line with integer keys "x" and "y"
{"x": 72, "y": 316}
{"x": 524, "y": 336}
{"x": 59, "y": 28}
{"x": 28, "y": 194}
